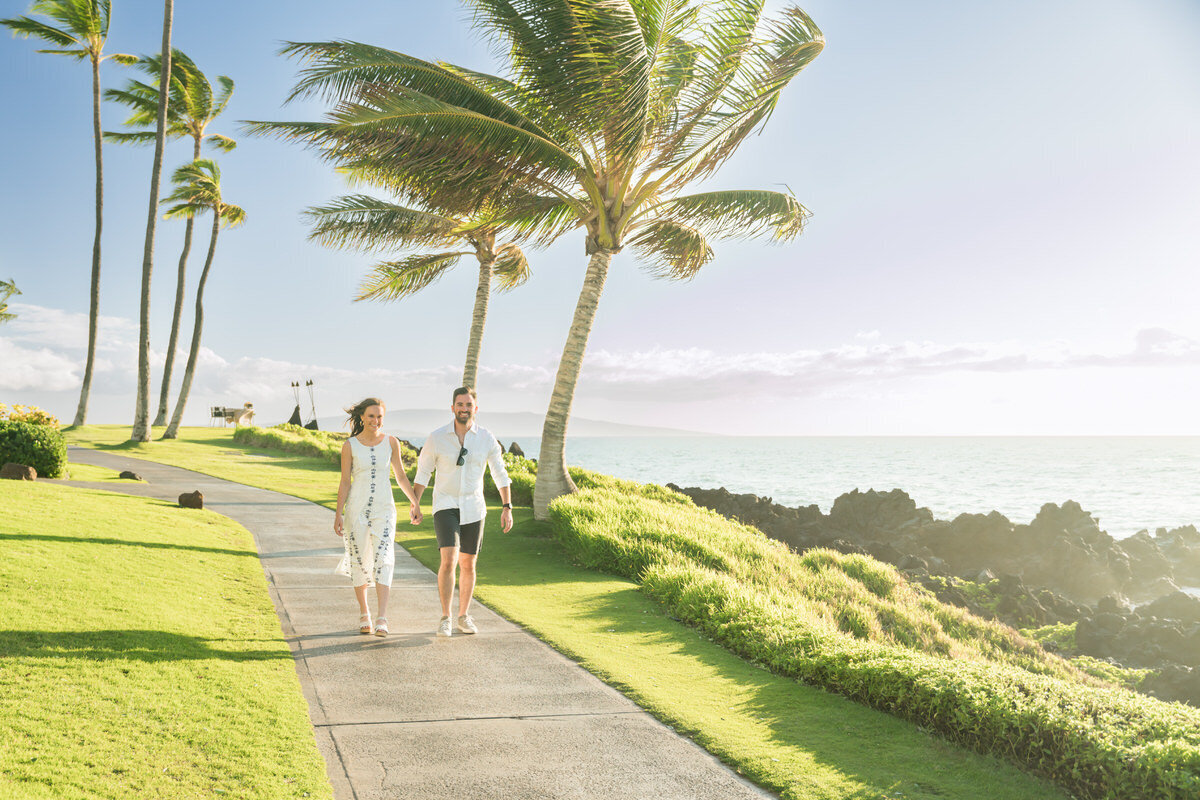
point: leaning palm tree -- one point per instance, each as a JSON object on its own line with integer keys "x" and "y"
{"x": 612, "y": 109}
{"x": 140, "y": 432}
{"x": 369, "y": 223}
{"x": 7, "y": 290}
{"x": 191, "y": 106}
{"x": 197, "y": 190}
{"x": 82, "y": 33}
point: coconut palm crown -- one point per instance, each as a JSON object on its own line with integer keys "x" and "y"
{"x": 79, "y": 30}
{"x": 611, "y": 110}
{"x": 191, "y": 106}
{"x": 369, "y": 223}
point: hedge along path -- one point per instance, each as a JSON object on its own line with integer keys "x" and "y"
{"x": 1096, "y": 742}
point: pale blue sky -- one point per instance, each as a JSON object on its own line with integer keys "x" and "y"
{"x": 1004, "y": 238}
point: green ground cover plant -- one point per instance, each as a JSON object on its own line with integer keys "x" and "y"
{"x": 140, "y": 655}
{"x": 852, "y": 625}
{"x": 800, "y": 741}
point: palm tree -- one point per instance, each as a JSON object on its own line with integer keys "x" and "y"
{"x": 141, "y": 413}
{"x": 198, "y": 189}
{"x": 613, "y": 108}
{"x": 82, "y": 33}
{"x": 191, "y": 106}
{"x": 372, "y": 224}
{"x": 7, "y": 290}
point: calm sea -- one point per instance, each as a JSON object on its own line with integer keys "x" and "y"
{"x": 1128, "y": 483}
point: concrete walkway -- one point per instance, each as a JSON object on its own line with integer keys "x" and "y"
{"x": 496, "y": 715}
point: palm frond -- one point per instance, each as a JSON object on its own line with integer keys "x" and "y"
{"x": 586, "y": 60}
{"x": 368, "y": 223}
{"x": 539, "y": 219}
{"x": 343, "y": 71}
{"x": 25, "y": 27}
{"x": 222, "y": 143}
{"x": 232, "y": 215}
{"x": 131, "y": 137}
{"x": 669, "y": 249}
{"x": 748, "y": 96}
{"x": 124, "y": 59}
{"x": 393, "y": 280}
{"x": 511, "y": 267}
{"x": 736, "y": 214}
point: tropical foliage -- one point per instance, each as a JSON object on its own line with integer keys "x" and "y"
{"x": 7, "y": 290}
{"x": 198, "y": 190}
{"x": 33, "y": 445}
{"x": 611, "y": 111}
{"x": 78, "y": 29}
{"x": 369, "y": 223}
{"x": 192, "y": 105}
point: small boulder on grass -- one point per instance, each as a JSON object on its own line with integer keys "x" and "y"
{"x": 191, "y": 499}
{"x": 18, "y": 472}
{"x": 130, "y": 476}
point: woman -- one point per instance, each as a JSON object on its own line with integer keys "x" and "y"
{"x": 365, "y": 494}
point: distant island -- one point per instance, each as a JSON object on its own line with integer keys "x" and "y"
{"x": 506, "y": 425}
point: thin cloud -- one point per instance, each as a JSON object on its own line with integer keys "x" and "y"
{"x": 43, "y": 350}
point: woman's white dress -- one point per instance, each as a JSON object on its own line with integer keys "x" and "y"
{"x": 369, "y": 518}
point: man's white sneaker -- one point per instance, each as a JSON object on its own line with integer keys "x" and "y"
{"x": 466, "y": 624}
{"x": 444, "y": 627}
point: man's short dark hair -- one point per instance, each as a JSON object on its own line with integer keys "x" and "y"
{"x": 464, "y": 390}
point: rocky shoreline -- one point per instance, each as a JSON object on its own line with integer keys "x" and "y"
{"x": 1120, "y": 598}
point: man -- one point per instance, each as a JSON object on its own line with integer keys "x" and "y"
{"x": 459, "y": 453}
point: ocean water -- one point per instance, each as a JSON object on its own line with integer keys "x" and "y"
{"x": 1128, "y": 483}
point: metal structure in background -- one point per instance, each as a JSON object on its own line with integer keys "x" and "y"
{"x": 312, "y": 423}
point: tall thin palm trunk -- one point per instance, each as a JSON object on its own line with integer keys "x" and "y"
{"x": 141, "y": 417}
{"x": 94, "y": 306}
{"x": 180, "y": 285}
{"x": 478, "y": 319}
{"x": 189, "y": 371}
{"x": 552, "y": 478}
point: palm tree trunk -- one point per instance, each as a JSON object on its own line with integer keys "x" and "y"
{"x": 94, "y": 307}
{"x": 189, "y": 371}
{"x": 552, "y": 477}
{"x": 180, "y": 284}
{"x": 141, "y": 414}
{"x": 478, "y": 318}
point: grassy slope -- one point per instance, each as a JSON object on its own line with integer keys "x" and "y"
{"x": 797, "y": 740}
{"x": 140, "y": 655}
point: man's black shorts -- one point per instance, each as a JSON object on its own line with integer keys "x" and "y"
{"x": 451, "y": 533}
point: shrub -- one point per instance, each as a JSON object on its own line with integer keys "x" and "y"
{"x": 30, "y": 414}
{"x": 523, "y": 474}
{"x": 854, "y": 626}
{"x": 39, "y": 446}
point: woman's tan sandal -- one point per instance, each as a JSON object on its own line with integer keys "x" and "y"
{"x": 364, "y": 624}
{"x": 381, "y": 628}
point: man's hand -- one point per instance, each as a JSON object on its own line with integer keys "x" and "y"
{"x": 506, "y": 520}
{"x": 414, "y": 514}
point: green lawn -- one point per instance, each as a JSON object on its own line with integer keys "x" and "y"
{"x": 140, "y": 655}
{"x": 799, "y": 741}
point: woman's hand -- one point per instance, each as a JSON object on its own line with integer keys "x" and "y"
{"x": 414, "y": 514}
{"x": 337, "y": 524}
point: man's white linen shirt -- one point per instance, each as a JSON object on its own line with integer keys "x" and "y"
{"x": 461, "y": 487}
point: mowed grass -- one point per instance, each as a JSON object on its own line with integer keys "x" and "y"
{"x": 140, "y": 655}
{"x": 799, "y": 741}
{"x": 93, "y": 474}
{"x": 213, "y": 451}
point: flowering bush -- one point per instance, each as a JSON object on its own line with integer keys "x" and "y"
{"x": 31, "y": 414}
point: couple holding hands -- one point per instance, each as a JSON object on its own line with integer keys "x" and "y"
{"x": 365, "y": 518}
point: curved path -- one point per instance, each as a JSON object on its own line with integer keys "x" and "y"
{"x": 496, "y": 715}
